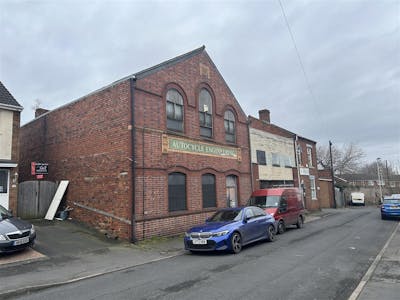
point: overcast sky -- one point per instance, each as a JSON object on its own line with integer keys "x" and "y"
{"x": 58, "y": 51}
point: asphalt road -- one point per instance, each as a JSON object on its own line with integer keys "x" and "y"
{"x": 324, "y": 260}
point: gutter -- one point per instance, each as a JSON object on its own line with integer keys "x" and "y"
{"x": 132, "y": 82}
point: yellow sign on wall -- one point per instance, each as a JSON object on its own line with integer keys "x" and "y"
{"x": 174, "y": 144}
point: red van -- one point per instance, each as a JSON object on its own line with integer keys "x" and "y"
{"x": 284, "y": 204}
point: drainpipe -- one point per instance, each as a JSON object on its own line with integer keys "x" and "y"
{"x": 251, "y": 163}
{"x": 132, "y": 82}
{"x": 296, "y": 156}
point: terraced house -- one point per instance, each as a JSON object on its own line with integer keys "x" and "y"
{"x": 10, "y": 111}
{"x": 150, "y": 154}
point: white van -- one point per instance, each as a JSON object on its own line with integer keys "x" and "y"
{"x": 357, "y": 199}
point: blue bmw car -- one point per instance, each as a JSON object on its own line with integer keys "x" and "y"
{"x": 390, "y": 207}
{"x": 230, "y": 229}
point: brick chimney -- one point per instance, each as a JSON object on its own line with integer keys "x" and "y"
{"x": 40, "y": 111}
{"x": 264, "y": 115}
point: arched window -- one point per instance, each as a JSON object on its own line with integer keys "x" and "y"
{"x": 209, "y": 191}
{"x": 176, "y": 191}
{"x": 229, "y": 122}
{"x": 174, "y": 110}
{"x": 205, "y": 113}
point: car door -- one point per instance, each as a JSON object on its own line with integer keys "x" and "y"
{"x": 260, "y": 219}
{"x": 249, "y": 227}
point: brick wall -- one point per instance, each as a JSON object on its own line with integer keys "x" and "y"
{"x": 153, "y": 166}
{"x": 13, "y": 194}
{"x": 89, "y": 143}
{"x": 311, "y": 204}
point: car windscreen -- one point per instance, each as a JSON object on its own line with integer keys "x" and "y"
{"x": 391, "y": 201}
{"x": 4, "y": 213}
{"x": 264, "y": 201}
{"x": 226, "y": 216}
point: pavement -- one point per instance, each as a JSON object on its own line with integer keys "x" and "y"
{"x": 67, "y": 252}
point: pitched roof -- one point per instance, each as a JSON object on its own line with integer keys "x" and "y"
{"x": 7, "y": 100}
{"x": 149, "y": 71}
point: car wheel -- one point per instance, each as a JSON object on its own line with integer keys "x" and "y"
{"x": 236, "y": 243}
{"x": 281, "y": 227}
{"x": 383, "y": 218}
{"x": 271, "y": 237}
{"x": 300, "y": 222}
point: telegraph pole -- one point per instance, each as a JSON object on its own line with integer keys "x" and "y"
{"x": 379, "y": 169}
{"x": 333, "y": 175}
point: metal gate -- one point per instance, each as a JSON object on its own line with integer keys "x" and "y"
{"x": 34, "y": 198}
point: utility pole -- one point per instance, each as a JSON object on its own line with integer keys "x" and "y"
{"x": 379, "y": 169}
{"x": 387, "y": 179}
{"x": 333, "y": 175}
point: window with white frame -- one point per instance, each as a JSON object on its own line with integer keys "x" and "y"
{"x": 276, "y": 160}
{"x": 313, "y": 188}
{"x": 309, "y": 156}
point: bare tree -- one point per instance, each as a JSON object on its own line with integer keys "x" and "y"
{"x": 346, "y": 159}
{"x": 371, "y": 169}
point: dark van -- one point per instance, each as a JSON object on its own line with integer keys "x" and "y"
{"x": 284, "y": 204}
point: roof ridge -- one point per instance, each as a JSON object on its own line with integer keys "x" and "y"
{"x": 7, "y": 99}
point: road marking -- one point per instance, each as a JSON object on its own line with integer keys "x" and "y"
{"x": 372, "y": 268}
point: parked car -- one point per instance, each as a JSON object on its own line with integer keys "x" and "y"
{"x": 357, "y": 199}
{"x": 284, "y": 204}
{"x": 15, "y": 234}
{"x": 390, "y": 207}
{"x": 230, "y": 229}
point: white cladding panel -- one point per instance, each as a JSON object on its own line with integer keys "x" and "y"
{"x": 6, "y": 122}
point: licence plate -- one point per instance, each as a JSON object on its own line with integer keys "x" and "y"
{"x": 21, "y": 241}
{"x": 199, "y": 242}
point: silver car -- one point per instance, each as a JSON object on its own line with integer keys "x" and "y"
{"x": 15, "y": 234}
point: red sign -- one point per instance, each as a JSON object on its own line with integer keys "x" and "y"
{"x": 33, "y": 169}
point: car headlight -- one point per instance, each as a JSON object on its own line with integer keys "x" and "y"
{"x": 33, "y": 229}
{"x": 220, "y": 233}
{"x": 2, "y": 238}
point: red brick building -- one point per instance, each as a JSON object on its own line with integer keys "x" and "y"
{"x": 10, "y": 111}
{"x": 308, "y": 171}
{"x": 150, "y": 154}
{"x": 281, "y": 158}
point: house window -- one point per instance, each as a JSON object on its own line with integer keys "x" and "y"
{"x": 176, "y": 191}
{"x": 287, "y": 161}
{"x": 261, "y": 157}
{"x": 229, "y": 122}
{"x": 174, "y": 110}
{"x": 205, "y": 113}
{"x": 3, "y": 182}
{"x": 309, "y": 156}
{"x": 313, "y": 188}
{"x": 370, "y": 182}
{"x": 299, "y": 154}
{"x": 209, "y": 191}
{"x": 275, "y": 160}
